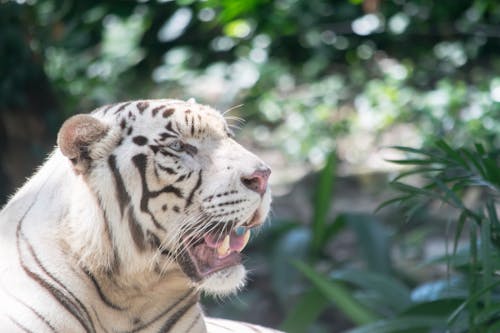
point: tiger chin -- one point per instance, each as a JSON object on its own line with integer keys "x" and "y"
{"x": 142, "y": 206}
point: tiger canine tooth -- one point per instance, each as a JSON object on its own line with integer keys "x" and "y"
{"x": 224, "y": 246}
{"x": 246, "y": 237}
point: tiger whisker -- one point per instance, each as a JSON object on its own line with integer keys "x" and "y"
{"x": 232, "y": 108}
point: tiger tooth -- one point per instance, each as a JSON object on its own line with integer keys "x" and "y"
{"x": 224, "y": 246}
{"x": 240, "y": 230}
{"x": 246, "y": 237}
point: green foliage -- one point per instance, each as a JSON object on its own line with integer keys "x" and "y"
{"x": 376, "y": 296}
{"x": 306, "y": 311}
{"x": 306, "y": 70}
{"x": 338, "y": 294}
{"x": 414, "y": 324}
{"x": 322, "y": 204}
{"x": 300, "y": 249}
{"x": 447, "y": 175}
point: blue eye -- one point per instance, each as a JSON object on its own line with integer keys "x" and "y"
{"x": 182, "y": 147}
{"x": 176, "y": 145}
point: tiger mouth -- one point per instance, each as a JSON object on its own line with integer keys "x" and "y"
{"x": 216, "y": 250}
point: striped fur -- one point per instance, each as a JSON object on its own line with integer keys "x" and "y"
{"x": 96, "y": 240}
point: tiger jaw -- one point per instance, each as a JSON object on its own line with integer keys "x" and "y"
{"x": 216, "y": 250}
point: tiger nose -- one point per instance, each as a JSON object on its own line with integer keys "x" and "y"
{"x": 257, "y": 181}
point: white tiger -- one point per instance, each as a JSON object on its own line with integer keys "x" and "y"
{"x": 141, "y": 207}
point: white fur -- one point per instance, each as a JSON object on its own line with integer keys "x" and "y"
{"x": 61, "y": 219}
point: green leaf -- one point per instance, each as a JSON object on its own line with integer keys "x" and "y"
{"x": 440, "y": 307}
{"x": 310, "y": 305}
{"x": 390, "y": 292}
{"x": 374, "y": 241}
{"x": 415, "y": 191}
{"x": 415, "y": 209}
{"x": 322, "y": 201}
{"x": 494, "y": 327}
{"x": 417, "y": 324}
{"x": 418, "y": 171}
{"x": 391, "y": 201}
{"x": 294, "y": 244}
{"x": 454, "y": 287}
{"x": 412, "y": 150}
{"x": 449, "y": 197}
{"x": 411, "y": 161}
{"x": 334, "y": 228}
{"x": 339, "y": 295}
{"x": 476, "y": 161}
{"x": 471, "y": 300}
{"x": 454, "y": 154}
{"x": 480, "y": 148}
{"x": 486, "y": 259}
{"x": 488, "y": 314}
{"x": 458, "y": 232}
{"x": 494, "y": 223}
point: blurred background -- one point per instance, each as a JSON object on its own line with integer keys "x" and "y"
{"x": 324, "y": 87}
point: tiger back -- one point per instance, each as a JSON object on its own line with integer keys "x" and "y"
{"x": 141, "y": 207}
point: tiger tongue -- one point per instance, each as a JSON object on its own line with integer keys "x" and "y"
{"x": 231, "y": 242}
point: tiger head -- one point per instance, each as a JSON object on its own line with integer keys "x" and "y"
{"x": 175, "y": 188}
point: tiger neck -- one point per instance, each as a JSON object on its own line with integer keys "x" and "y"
{"x": 120, "y": 295}
{"x": 129, "y": 285}
{"x": 167, "y": 304}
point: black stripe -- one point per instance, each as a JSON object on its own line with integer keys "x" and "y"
{"x": 174, "y": 319}
{"x": 103, "y": 297}
{"x": 168, "y": 170}
{"x": 15, "y": 322}
{"x": 18, "y": 236}
{"x": 106, "y": 109}
{"x": 99, "y": 321}
{"x": 153, "y": 240}
{"x": 35, "y": 312}
{"x": 77, "y": 309}
{"x": 31, "y": 274}
{"x": 169, "y": 153}
{"x": 65, "y": 301}
{"x": 140, "y": 164}
{"x": 164, "y": 136}
{"x": 167, "y": 113}
{"x": 195, "y": 321}
{"x": 122, "y": 106}
{"x": 19, "y": 257}
{"x": 140, "y": 161}
{"x": 167, "y": 189}
{"x": 189, "y": 200}
{"x": 169, "y": 127}
{"x": 156, "y": 109}
{"x": 142, "y": 106}
{"x": 164, "y": 312}
{"x": 136, "y": 230}
{"x": 122, "y": 195}
{"x": 107, "y": 231}
{"x": 180, "y": 179}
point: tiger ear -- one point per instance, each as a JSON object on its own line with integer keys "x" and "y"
{"x": 75, "y": 137}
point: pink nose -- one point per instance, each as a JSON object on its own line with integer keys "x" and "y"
{"x": 257, "y": 181}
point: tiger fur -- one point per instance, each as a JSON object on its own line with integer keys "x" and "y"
{"x": 142, "y": 206}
